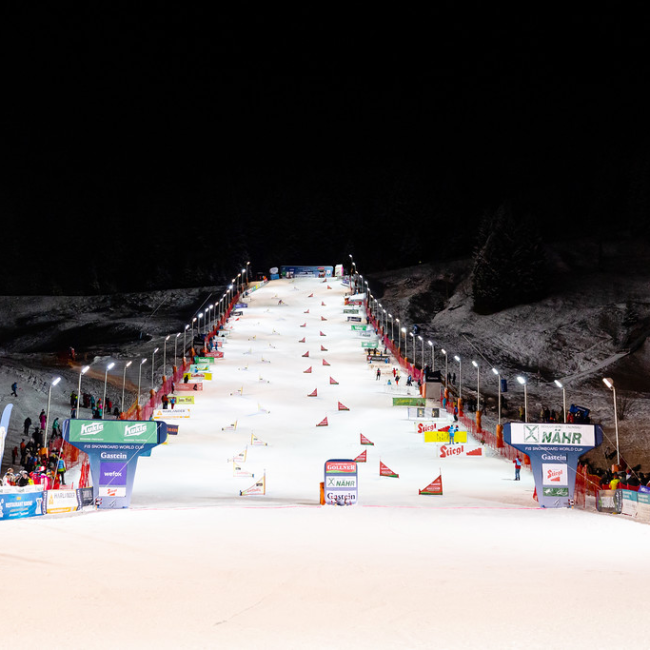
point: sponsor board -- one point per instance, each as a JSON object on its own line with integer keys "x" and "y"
{"x": 187, "y": 387}
{"x": 198, "y": 376}
{"x": 111, "y": 491}
{"x": 423, "y": 413}
{"x": 172, "y": 429}
{"x": 351, "y": 311}
{"x": 199, "y": 367}
{"x": 204, "y": 360}
{"x": 22, "y": 504}
{"x": 554, "y": 449}
{"x": 358, "y": 328}
{"x": 409, "y": 401}
{"x": 443, "y": 436}
{"x": 113, "y": 431}
{"x": 554, "y": 434}
{"x": 455, "y": 451}
{"x": 58, "y": 501}
{"x": 341, "y": 482}
{"x": 185, "y": 399}
{"x": 369, "y": 344}
{"x": 171, "y": 414}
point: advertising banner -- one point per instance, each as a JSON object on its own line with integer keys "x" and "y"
{"x": 554, "y": 449}
{"x": 369, "y": 344}
{"x": 171, "y": 414}
{"x": 241, "y": 305}
{"x": 215, "y": 354}
{"x": 204, "y": 361}
{"x": 4, "y": 427}
{"x": 434, "y": 435}
{"x": 358, "y": 328}
{"x": 341, "y": 482}
{"x": 423, "y": 413}
{"x": 187, "y": 386}
{"x": 59, "y": 501}
{"x": 350, "y": 310}
{"x": 609, "y": 501}
{"x": 409, "y": 401}
{"x": 306, "y": 271}
{"x": 184, "y": 399}
{"x": 22, "y": 504}
{"x": 197, "y": 376}
{"x": 458, "y": 451}
{"x": 113, "y": 448}
{"x": 200, "y": 367}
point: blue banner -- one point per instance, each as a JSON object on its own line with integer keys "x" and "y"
{"x": 22, "y": 504}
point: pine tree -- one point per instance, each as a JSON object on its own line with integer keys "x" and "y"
{"x": 509, "y": 262}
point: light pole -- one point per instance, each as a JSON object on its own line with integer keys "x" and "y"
{"x": 560, "y": 385}
{"x": 198, "y": 326}
{"x": 522, "y": 381}
{"x": 460, "y": 377}
{"x": 211, "y": 315}
{"x": 184, "y": 344}
{"x": 192, "y": 331}
{"x": 446, "y": 366}
{"x": 422, "y": 355}
{"x": 433, "y": 358}
{"x": 153, "y": 365}
{"x": 385, "y": 323}
{"x": 108, "y": 367}
{"x": 126, "y": 365}
{"x": 137, "y": 401}
{"x": 83, "y": 371}
{"x": 165, "y": 354}
{"x": 478, "y": 385}
{"x": 54, "y": 382}
{"x": 176, "y": 350}
{"x": 413, "y": 342}
{"x": 392, "y": 338}
{"x": 496, "y": 372}
{"x": 404, "y": 330}
{"x": 609, "y": 382}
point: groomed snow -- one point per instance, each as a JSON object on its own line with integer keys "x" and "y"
{"x": 194, "y": 565}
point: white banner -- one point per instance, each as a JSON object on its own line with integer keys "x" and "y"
{"x": 553, "y": 433}
{"x": 61, "y": 501}
{"x": 171, "y": 414}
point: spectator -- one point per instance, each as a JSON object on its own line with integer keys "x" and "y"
{"x": 517, "y": 462}
{"x": 9, "y": 477}
{"x": 14, "y": 389}
{"x": 26, "y": 425}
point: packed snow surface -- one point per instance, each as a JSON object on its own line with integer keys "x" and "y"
{"x": 192, "y": 564}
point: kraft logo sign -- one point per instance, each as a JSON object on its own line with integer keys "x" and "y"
{"x": 91, "y": 429}
{"x": 135, "y": 430}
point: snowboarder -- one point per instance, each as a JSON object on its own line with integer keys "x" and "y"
{"x": 14, "y": 389}
{"x": 517, "y": 462}
{"x": 378, "y": 377}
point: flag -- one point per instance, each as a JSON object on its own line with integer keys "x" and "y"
{"x": 362, "y": 457}
{"x": 323, "y": 348}
{"x": 328, "y": 286}
{"x": 333, "y": 382}
{"x": 256, "y": 442}
{"x": 365, "y": 441}
{"x": 237, "y": 470}
{"x": 435, "y": 487}
{"x": 240, "y": 457}
{"x": 322, "y": 423}
{"x": 342, "y": 407}
{"x": 314, "y": 393}
{"x": 306, "y": 312}
{"x": 302, "y": 340}
{"x": 306, "y": 354}
{"x": 308, "y": 369}
{"x": 304, "y": 325}
{"x": 323, "y": 318}
{"x": 311, "y": 295}
{"x": 231, "y": 427}
{"x": 258, "y": 488}
{"x": 325, "y": 363}
{"x": 323, "y": 334}
{"x": 323, "y": 304}
{"x": 386, "y": 471}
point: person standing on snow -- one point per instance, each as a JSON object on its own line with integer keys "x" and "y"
{"x": 378, "y": 377}
{"x": 14, "y": 389}
{"x": 517, "y": 462}
{"x": 452, "y": 433}
{"x": 42, "y": 418}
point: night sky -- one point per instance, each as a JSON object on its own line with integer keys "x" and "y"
{"x": 171, "y": 147}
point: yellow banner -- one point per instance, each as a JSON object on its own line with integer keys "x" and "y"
{"x": 185, "y": 399}
{"x": 443, "y": 436}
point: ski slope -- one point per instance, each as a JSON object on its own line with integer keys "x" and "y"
{"x": 192, "y": 564}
